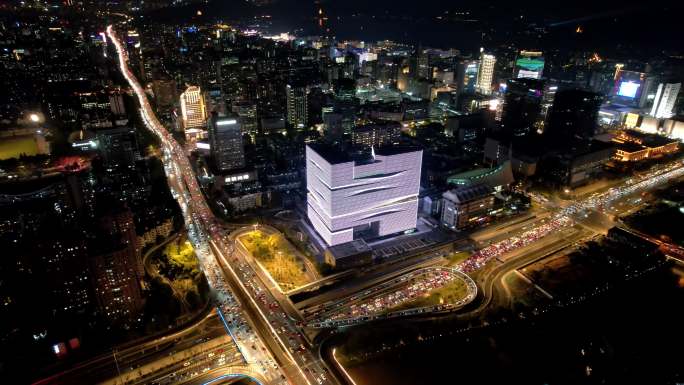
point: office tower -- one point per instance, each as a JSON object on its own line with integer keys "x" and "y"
{"x": 193, "y": 108}
{"x": 247, "y": 112}
{"x": 529, "y": 65}
{"x": 629, "y": 87}
{"x": 649, "y": 90}
{"x": 225, "y": 137}
{"x": 116, "y": 104}
{"x": 485, "y": 73}
{"x": 574, "y": 113}
{"x": 522, "y": 106}
{"x": 423, "y": 70}
{"x": 665, "y": 99}
{"x": 376, "y": 134}
{"x": 362, "y": 197}
{"x": 297, "y": 105}
{"x": 467, "y": 76}
{"x": 118, "y": 146}
{"x": 116, "y": 268}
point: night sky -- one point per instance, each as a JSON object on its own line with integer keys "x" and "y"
{"x": 632, "y": 26}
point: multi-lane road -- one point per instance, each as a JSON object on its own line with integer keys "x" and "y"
{"x": 262, "y": 323}
{"x": 264, "y": 329}
{"x": 556, "y": 227}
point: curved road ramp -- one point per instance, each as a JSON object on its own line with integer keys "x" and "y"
{"x": 425, "y": 291}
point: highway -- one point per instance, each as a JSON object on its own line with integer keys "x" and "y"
{"x": 254, "y": 331}
{"x": 574, "y": 211}
{"x": 268, "y": 333}
{"x": 134, "y": 355}
{"x": 575, "y": 222}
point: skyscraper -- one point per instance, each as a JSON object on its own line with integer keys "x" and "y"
{"x": 665, "y": 100}
{"x": 522, "y": 106}
{"x": 117, "y": 268}
{"x": 467, "y": 76}
{"x": 193, "y": 108}
{"x": 529, "y": 64}
{"x": 574, "y": 113}
{"x": 297, "y": 108}
{"x": 375, "y": 134}
{"x": 423, "y": 70}
{"x": 485, "y": 73}
{"x": 225, "y": 136}
{"x": 118, "y": 146}
{"x": 354, "y": 198}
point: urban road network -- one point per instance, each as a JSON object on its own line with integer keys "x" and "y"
{"x": 263, "y": 332}
{"x": 268, "y": 344}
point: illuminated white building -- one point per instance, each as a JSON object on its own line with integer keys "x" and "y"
{"x": 665, "y": 99}
{"x": 485, "y": 73}
{"x": 371, "y": 197}
{"x": 193, "y": 109}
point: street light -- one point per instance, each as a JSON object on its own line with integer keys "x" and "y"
{"x": 34, "y": 118}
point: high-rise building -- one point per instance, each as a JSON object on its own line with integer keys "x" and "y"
{"x": 362, "y": 197}
{"x": 466, "y": 76}
{"x": 665, "y": 100}
{"x": 297, "y": 106}
{"x": 118, "y": 146}
{"x": 193, "y": 108}
{"x": 376, "y": 134}
{"x": 225, "y": 138}
{"x": 485, "y": 73}
{"x": 629, "y": 87}
{"x": 529, "y": 65}
{"x": 247, "y": 112}
{"x": 522, "y": 106}
{"x": 423, "y": 70}
{"x": 574, "y": 113}
{"x": 116, "y": 269}
{"x": 116, "y": 104}
{"x": 648, "y": 92}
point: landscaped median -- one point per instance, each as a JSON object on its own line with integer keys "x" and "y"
{"x": 274, "y": 253}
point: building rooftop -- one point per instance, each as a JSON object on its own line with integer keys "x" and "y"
{"x": 468, "y": 193}
{"x": 630, "y": 147}
{"x": 335, "y": 154}
{"x": 493, "y": 177}
{"x": 649, "y": 139}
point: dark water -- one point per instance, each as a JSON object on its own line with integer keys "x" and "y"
{"x": 632, "y": 335}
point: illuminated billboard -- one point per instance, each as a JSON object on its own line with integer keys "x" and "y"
{"x": 628, "y": 89}
{"x": 529, "y": 67}
{"x": 628, "y": 86}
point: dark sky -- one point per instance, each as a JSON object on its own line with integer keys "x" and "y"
{"x": 630, "y": 25}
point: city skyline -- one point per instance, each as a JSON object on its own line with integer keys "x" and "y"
{"x": 316, "y": 192}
